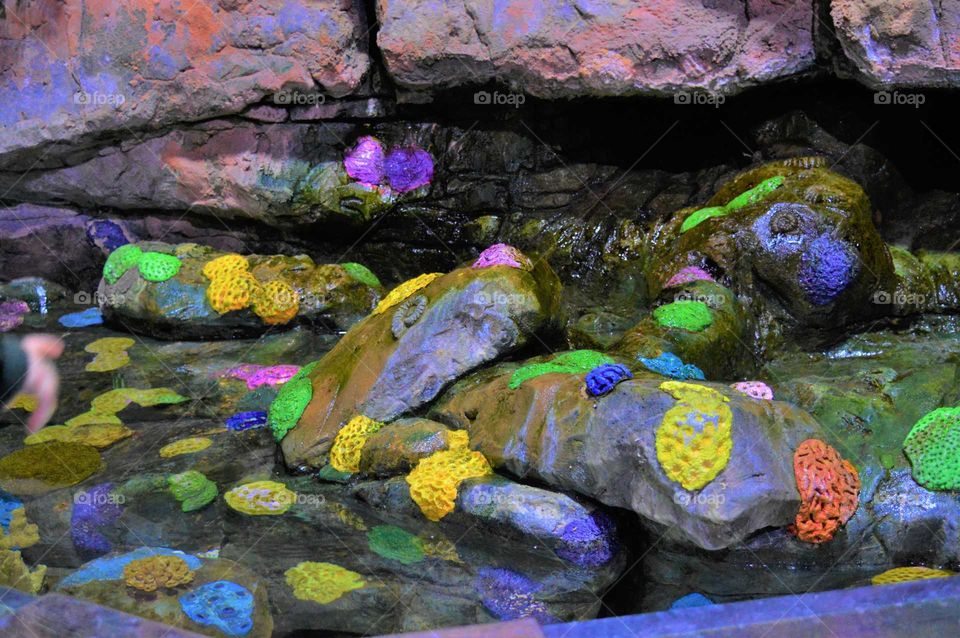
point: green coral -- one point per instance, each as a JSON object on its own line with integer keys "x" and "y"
{"x": 158, "y": 267}
{"x": 396, "y": 544}
{"x": 752, "y": 196}
{"x": 574, "y": 362}
{"x": 120, "y": 261}
{"x": 933, "y": 447}
{"x": 45, "y": 466}
{"x": 362, "y": 274}
{"x": 687, "y": 315}
{"x": 192, "y": 489}
{"x": 291, "y": 401}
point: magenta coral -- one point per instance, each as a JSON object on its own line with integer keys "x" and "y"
{"x": 502, "y": 255}
{"x": 688, "y": 274}
{"x": 257, "y": 375}
{"x": 364, "y": 162}
{"x": 754, "y": 389}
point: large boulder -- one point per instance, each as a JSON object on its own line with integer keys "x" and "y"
{"x": 548, "y": 430}
{"x": 91, "y": 72}
{"x": 566, "y": 49}
{"x": 180, "y": 306}
{"x": 400, "y": 359}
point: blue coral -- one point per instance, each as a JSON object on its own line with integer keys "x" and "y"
{"x": 691, "y": 600}
{"x": 223, "y": 604}
{"x": 827, "y": 267}
{"x": 247, "y": 421}
{"x": 106, "y": 235}
{"x": 589, "y": 541}
{"x": 670, "y": 365}
{"x": 509, "y": 595}
{"x": 112, "y": 568}
{"x": 8, "y": 503}
{"x": 604, "y": 378}
{"x": 93, "y": 510}
{"x": 89, "y": 317}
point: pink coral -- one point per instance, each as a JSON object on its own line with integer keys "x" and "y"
{"x": 365, "y": 161}
{"x": 503, "y": 255}
{"x": 754, "y": 389}
{"x": 687, "y": 274}
{"x": 257, "y": 375}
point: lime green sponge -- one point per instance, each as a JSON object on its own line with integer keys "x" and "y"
{"x": 933, "y": 447}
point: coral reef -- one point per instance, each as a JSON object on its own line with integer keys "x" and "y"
{"x": 250, "y": 420}
{"x": 348, "y": 444}
{"x": 906, "y": 574}
{"x": 322, "y": 582}
{"x": 933, "y": 447}
{"x": 120, "y": 261}
{"x": 193, "y": 489}
{"x": 573, "y": 362}
{"x": 754, "y": 389}
{"x": 227, "y": 265}
{"x": 404, "y": 290}
{"x": 688, "y": 274}
{"x": 361, "y": 273}
{"x": 829, "y": 491}
{"x": 233, "y": 291}
{"x": 94, "y": 509}
{"x": 395, "y": 543}
{"x": 223, "y": 604}
{"x": 503, "y": 255}
{"x": 509, "y": 595}
{"x": 16, "y": 574}
{"x": 408, "y": 312}
{"x": 48, "y": 466}
{"x": 257, "y": 375}
{"x": 261, "y": 498}
{"x": 670, "y": 365}
{"x": 604, "y": 378}
{"x": 290, "y": 402}
{"x": 158, "y": 267}
{"x": 435, "y": 480}
{"x": 693, "y": 316}
{"x": 189, "y": 445}
{"x": 694, "y": 438}
{"x": 276, "y": 303}
{"x": 157, "y": 572}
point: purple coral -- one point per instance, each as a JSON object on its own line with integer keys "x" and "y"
{"x": 688, "y": 274}
{"x": 502, "y": 255}
{"x": 588, "y": 541}
{"x": 509, "y": 595}
{"x": 11, "y": 314}
{"x": 93, "y": 510}
{"x": 106, "y": 235}
{"x": 827, "y": 267}
{"x": 257, "y": 375}
{"x": 365, "y": 161}
{"x": 408, "y": 168}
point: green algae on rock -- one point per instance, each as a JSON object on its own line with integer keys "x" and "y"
{"x": 395, "y": 543}
{"x": 687, "y": 315}
{"x": 193, "y": 489}
{"x": 291, "y": 401}
{"x": 933, "y": 447}
{"x": 573, "y": 362}
{"x": 48, "y": 466}
{"x": 751, "y": 196}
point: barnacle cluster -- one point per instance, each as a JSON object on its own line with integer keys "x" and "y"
{"x": 694, "y": 439}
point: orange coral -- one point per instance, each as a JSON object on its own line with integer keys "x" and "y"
{"x": 155, "y": 572}
{"x": 233, "y": 291}
{"x": 829, "y": 491}
{"x": 276, "y": 303}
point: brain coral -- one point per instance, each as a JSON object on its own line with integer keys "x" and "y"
{"x": 261, "y": 498}
{"x": 234, "y": 291}
{"x": 222, "y": 604}
{"x": 933, "y": 447}
{"x": 503, "y": 255}
{"x": 687, "y": 315}
{"x": 158, "y": 267}
{"x": 192, "y": 489}
{"x": 754, "y": 389}
{"x": 276, "y": 303}
{"x": 189, "y": 445}
{"x": 49, "y": 465}
{"x": 322, "y": 582}
{"x": 156, "y": 572}
{"x": 290, "y": 402}
{"x": 345, "y": 453}
{"x": 225, "y": 265}
{"x": 395, "y": 543}
{"x": 120, "y": 261}
{"x": 404, "y": 290}
{"x": 604, "y": 378}
{"x": 694, "y": 438}
{"x": 688, "y": 274}
{"x": 829, "y": 491}
{"x": 361, "y": 273}
{"x": 573, "y": 362}
{"x": 906, "y": 574}
{"x": 436, "y": 478}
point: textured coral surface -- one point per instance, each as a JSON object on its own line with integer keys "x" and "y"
{"x": 829, "y": 490}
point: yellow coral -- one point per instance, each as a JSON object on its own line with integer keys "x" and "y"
{"x": 322, "y": 582}
{"x": 234, "y": 291}
{"x": 24, "y": 401}
{"x": 225, "y": 265}
{"x": 16, "y": 574}
{"x": 110, "y": 402}
{"x": 404, "y": 290}
{"x": 107, "y": 361}
{"x": 110, "y": 344}
{"x": 435, "y": 480}
{"x": 261, "y": 498}
{"x": 348, "y": 518}
{"x": 189, "y": 445}
{"x": 905, "y": 574}
{"x": 99, "y": 435}
{"x": 440, "y": 547}
{"x": 345, "y": 453}
{"x": 93, "y": 417}
{"x": 276, "y": 303}
{"x": 694, "y": 438}
{"x": 22, "y": 532}
{"x": 156, "y": 572}
{"x": 457, "y": 439}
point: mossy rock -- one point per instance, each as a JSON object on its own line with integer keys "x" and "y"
{"x": 48, "y": 466}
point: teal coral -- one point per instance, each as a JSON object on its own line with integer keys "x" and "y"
{"x": 687, "y": 315}
{"x": 192, "y": 489}
{"x": 291, "y": 401}
{"x": 361, "y": 273}
{"x": 573, "y": 362}
{"x": 392, "y": 542}
{"x": 752, "y": 196}
{"x": 933, "y": 447}
{"x": 158, "y": 267}
{"x": 120, "y": 261}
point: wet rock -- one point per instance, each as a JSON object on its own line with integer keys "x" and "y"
{"x": 605, "y": 449}
{"x": 397, "y": 447}
{"x": 567, "y": 50}
{"x": 471, "y": 317}
{"x": 181, "y": 305}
